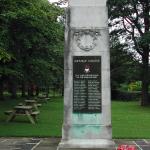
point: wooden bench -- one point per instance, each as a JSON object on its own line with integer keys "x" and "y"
{"x": 42, "y": 101}
{"x": 34, "y": 115}
{"x": 22, "y": 110}
{"x": 39, "y": 105}
{"x": 8, "y": 112}
{"x": 20, "y": 104}
{"x": 48, "y": 98}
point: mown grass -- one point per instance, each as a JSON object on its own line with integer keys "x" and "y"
{"x": 49, "y": 120}
{"x": 129, "y": 120}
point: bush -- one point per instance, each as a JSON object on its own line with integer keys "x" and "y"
{"x": 132, "y": 86}
{"x": 124, "y": 87}
{"x": 135, "y": 86}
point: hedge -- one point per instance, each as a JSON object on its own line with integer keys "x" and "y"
{"x": 125, "y": 95}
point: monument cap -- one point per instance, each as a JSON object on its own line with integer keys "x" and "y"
{"x": 87, "y": 2}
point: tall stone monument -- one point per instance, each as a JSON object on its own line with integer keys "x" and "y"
{"x": 87, "y": 104}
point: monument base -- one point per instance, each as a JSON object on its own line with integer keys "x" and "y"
{"x": 87, "y": 144}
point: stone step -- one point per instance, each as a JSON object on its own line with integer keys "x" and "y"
{"x": 86, "y": 149}
{"x": 87, "y": 144}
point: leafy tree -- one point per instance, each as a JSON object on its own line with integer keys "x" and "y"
{"x": 4, "y": 56}
{"x": 124, "y": 64}
{"x": 130, "y": 19}
{"x": 61, "y": 2}
{"x": 32, "y": 34}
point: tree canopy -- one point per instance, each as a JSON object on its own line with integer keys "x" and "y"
{"x": 31, "y": 42}
{"x": 124, "y": 65}
{"x": 130, "y": 20}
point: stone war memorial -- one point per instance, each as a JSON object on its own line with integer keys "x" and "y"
{"x": 87, "y": 103}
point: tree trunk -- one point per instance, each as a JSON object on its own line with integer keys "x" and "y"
{"x": 145, "y": 57}
{"x": 62, "y": 91}
{"x": 13, "y": 89}
{"x": 30, "y": 90}
{"x": 47, "y": 91}
{"x": 54, "y": 91}
{"x": 37, "y": 91}
{"x": 1, "y": 89}
{"x": 145, "y": 77}
{"x": 23, "y": 89}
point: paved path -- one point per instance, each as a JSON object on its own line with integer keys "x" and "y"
{"x": 51, "y": 143}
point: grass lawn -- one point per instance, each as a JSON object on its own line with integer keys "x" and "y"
{"x": 129, "y": 120}
{"x": 49, "y": 120}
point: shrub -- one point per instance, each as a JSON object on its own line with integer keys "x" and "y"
{"x": 135, "y": 86}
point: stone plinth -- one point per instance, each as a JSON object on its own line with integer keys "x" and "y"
{"x": 91, "y": 144}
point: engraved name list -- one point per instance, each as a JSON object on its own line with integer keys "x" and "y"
{"x": 87, "y": 84}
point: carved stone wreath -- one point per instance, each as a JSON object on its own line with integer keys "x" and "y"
{"x": 86, "y": 39}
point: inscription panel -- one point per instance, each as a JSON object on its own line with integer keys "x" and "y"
{"x": 87, "y": 84}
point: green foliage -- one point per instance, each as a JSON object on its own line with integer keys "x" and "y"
{"x": 124, "y": 66}
{"x": 31, "y": 33}
{"x": 132, "y": 86}
{"x": 4, "y": 56}
{"x": 129, "y": 20}
{"x": 135, "y": 86}
{"x": 124, "y": 87}
{"x": 145, "y": 40}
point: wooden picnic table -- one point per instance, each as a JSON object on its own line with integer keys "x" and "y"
{"x": 43, "y": 99}
{"x": 32, "y": 103}
{"x": 23, "y": 111}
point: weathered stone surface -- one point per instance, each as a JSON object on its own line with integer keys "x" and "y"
{"x": 86, "y": 35}
{"x": 87, "y": 3}
{"x": 80, "y": 144}
{"x": 98, "y": 18}
{"x": 110, "y": 148}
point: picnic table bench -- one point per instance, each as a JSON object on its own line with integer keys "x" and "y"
{"x": 32, "y": 103}
{"x": 43, "y": 99}
{"x": 22, "y": 111}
